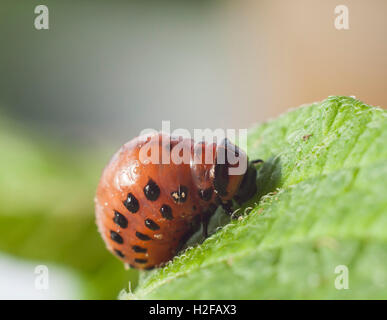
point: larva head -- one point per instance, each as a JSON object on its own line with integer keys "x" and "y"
{"x": 218, "y": 168}
{"x": 229, "y": 169}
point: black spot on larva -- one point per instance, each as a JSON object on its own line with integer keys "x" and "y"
{"x": 166, "y": 212}
{"x": 206, "y": 194}
{"x": 151, "y": 224}
{"x": 149, "y": 268}
{"x": 180, "y": 195}
{"x": 236, "y": 150}
{"x": 131, "y": 203}
{"x": 194, "y": 208}
{"x": 139, "y": 249}
{"x": 119, "y": 253}
{"x": 142, "y": 261}
{"x": 116, "y": 237}
{"x": 132, "y": 266}
{"x": 142, "y": 236}
{"x": 151, "y": 190}
{"x": 120, "y": 220}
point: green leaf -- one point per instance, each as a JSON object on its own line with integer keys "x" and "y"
{"x": 321, "y": 204}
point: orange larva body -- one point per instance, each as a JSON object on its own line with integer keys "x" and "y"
{"x": 145, "y": 210}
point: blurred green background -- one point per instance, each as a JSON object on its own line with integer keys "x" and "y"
{"x": 105, "y": 70}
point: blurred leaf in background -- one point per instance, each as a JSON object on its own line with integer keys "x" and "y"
{"x": 47, "y": 213}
